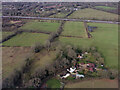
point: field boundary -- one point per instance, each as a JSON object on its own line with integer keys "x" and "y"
{"x": 86, "y": 29}
{"x": 10, "y": 36}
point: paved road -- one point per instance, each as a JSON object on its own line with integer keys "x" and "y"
{"x": 47, "y": 18}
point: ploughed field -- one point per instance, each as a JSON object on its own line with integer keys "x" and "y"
{"x": 102, "y": 83}
{"x": 89, "y": 13}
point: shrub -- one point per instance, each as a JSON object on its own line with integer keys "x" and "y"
{"x": 37, "y": 48}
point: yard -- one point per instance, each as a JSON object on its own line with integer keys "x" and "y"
{"x": 105, "y": 7}
{"x": 89, "y": 13}
{"x": 105, "y": 38}
{"x": 74, "y": 29}
{"x": 13, "y": 58}
{"x": 26, "y": 39}
{"x": 94, "y": 84}
{"x": 44, "y": 26}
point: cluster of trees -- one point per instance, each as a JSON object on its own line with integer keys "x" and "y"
{"x": 8, "y": 26}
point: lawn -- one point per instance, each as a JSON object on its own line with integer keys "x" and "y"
{"x": 45, "y": 26}
{"x": 53, "y": 83}
{"x": 89, "y": 13}
{"x": 94, "y": 84}
{"x": 74, "y": 29}
{"x": 26, "y": 39}
{"x": 105, "y": 38}
{"x": 13, "y": 58}
{"x": 105, "y": 7}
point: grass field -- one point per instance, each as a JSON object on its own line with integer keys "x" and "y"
{"x": 103, "y": 83}
{"x": 94, "y": 14}
{"x": 13, "y": 58}
{"x": 59, "y": 15}
{"x": 105, "y": 38}
{"x": 6, "y": 34}
{"x": 105, "y": 7}
{"x": 26, "y": 39}
{"x": 41, "y": 26}
{"x": 44, "y": 58}
{"x": 53, "y": 83}
{"x": 74, "y": 29}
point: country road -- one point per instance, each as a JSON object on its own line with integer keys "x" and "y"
{"x": 64, "y": 19}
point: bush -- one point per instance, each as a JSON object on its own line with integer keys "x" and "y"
{"x": 37, "y": 48}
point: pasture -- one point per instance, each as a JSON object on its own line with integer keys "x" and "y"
{"x": 105, "y": 38}
{"x": 44, "y": 26}
{"x": 59, "y": 15}
{"x": 93, "y": 14}
{"x": 74, "y": 29}
{"x": 6, "y": 34}
{"x": 94, "y": 84}
{"x": 105, "y": 7}
{"x": 13, "y": 58}
{"x": 26, "y": 39}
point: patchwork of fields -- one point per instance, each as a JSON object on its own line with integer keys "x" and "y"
{"x": 104, "y": 38}
{"x": 93, "y": 14}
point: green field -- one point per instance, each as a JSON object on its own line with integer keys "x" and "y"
{"x": 74, "y": 29}
{"x": 105, "y": 38}
{"x": 26, "y": 39}
{"x": 53, "y": 83}
{"x": 94, "y": 14}
{"x": 6, "y": 34}
{"x": 105, "y": 7}
{"x": 103, "y": 83}
{"x": 41, "y": 26}
{"x": 59, "y": 15}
